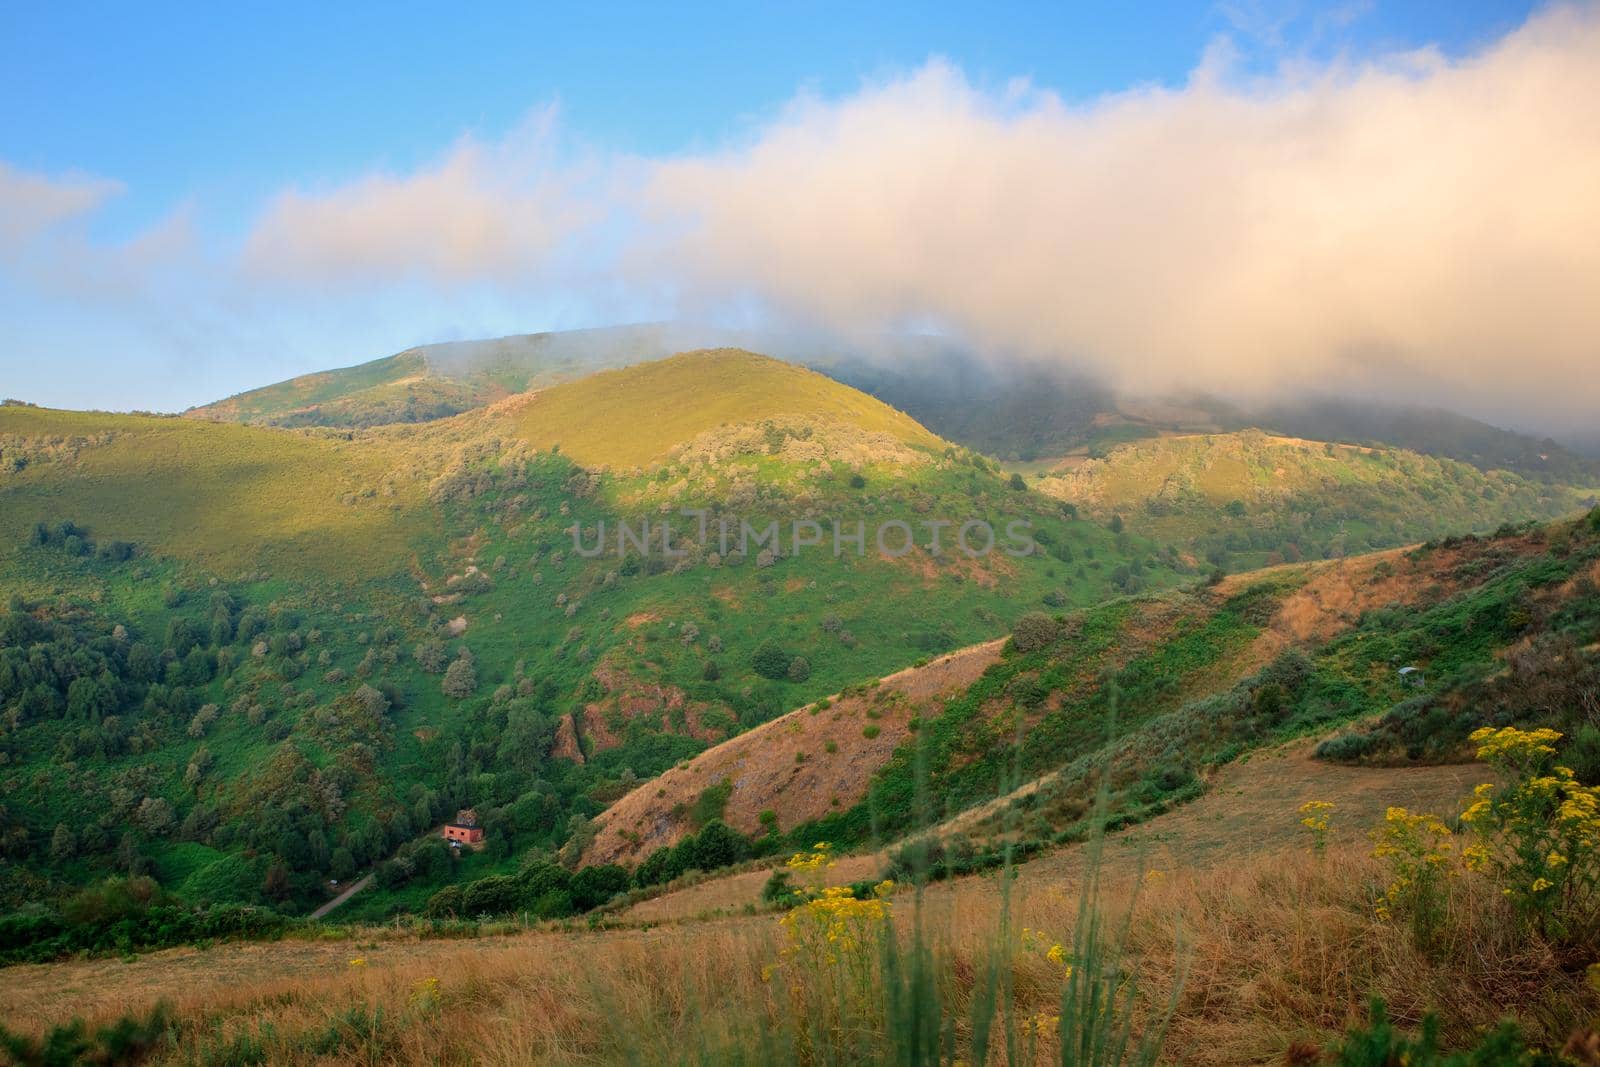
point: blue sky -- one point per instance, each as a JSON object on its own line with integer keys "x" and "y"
{"x": 220, "y": 105}
{"x": 185, "y": 127}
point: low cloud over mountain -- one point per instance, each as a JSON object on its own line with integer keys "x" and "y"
{"x": 1405, "y": 225}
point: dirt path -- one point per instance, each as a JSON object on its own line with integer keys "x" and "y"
{"x": 341, "y": 898}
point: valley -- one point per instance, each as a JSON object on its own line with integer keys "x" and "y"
{"x": 254, "y": 656}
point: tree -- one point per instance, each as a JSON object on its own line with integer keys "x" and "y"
{"x": 716, "y": 845}
{"x": 461, "y": 678}
{"x": 1116, "y": 524}
{"x": 342, "y": 863}
{"x": 581, "y": 832}
{"x": 594, "y": 886}
{"x": 712, "y": 672}
{"x": 770, "y": 661}
{"x": 799, "y": 669}
{"x": 63, "y": 843}
{"x": 276, "y": 883}
{"x": 371, "y": 701}
{"x": 431, "y": 656}
{"x": 1018, "y": 482}
{"x": 155, "y": 816}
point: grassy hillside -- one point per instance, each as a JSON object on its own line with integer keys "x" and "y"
{"x": 245, "y": 660}
{"x": 1247, "y": 499}
{"x": 229, "y": 498}
{"x": 1180, "y": 682}
{"x": 634, "y": 416}
{"x": 1024, "y": 413}
{"x": 436, "y": 381}
{"x": 1228, "y": 930}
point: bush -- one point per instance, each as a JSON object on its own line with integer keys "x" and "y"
{"x": 594, "y": 886}
{"x": 431, "y": 656}
{"x": 770, "y": 661}
{"x": 1346, "y": 748}
{"x": 799, "y": 669}
{"x": 1034, "y": 631}
{"x": 130, "y": 1039}
{"x": 1379, "y": 1044}
{"x": 461, "y": 678}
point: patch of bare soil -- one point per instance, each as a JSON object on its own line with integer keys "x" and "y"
{"x": 1338, "y": 592}
{"x": 1251, "y": 807}
{"x": 800, "y": 766}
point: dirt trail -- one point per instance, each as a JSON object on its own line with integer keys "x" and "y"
{"x": 341, "y": 898}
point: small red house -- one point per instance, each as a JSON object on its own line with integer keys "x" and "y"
{"x": 465, "y": 830}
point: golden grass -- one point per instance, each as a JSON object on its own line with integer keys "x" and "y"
{"x": 1281, "y": 946}
{"x": 636, "y": 415}
{"x": 1281, "y": 949}
{"x": 229, "y": 497}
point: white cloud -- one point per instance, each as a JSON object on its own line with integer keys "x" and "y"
{"x": 33, "y": 204}
{"x": 1416, "y": 226}
{"x": 1423, "y": 227}
{"x": 492, "y": 212}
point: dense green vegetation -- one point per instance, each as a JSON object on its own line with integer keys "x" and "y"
{"x": 183, "y": 701}
{"x": 245, "y": 662}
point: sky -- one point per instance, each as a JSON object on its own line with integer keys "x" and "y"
{"x": 1256, "y": 197}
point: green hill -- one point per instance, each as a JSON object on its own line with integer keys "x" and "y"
{"x": 436, "y": 381}
{"x": 247, "y": 659}
{"x": 637, "y": 415}
{"x": 1249, "y": 498}
{"x": 229, "y": 498}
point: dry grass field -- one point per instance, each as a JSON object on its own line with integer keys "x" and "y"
{"x": 1279, "y": 944}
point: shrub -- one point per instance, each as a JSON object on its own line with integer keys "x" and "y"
{"x": 770, "y": 661}
{"x": 1034, "y": 631}
{"x": 130, "y": 1039}
{"x": 1538, "y": 835}
{"x": 431, "y": 656}
{"x": 799, "y": 669}
{"x": 461, "y": 678}
{"x": 1379, "y": 1044}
